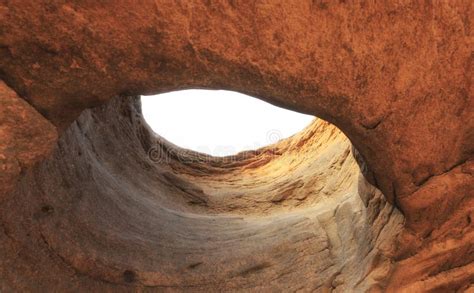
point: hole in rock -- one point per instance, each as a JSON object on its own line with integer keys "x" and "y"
{"x": 219, "y": 123}
{"x": 289, "y": 216}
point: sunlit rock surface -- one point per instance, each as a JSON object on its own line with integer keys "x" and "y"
{"x": 116, "y": 205}
{"x": 97, "y": 213}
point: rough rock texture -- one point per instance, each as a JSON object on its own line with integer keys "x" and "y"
{"x": 105, "y": 211}
{"x": 396, "y": 78}
{"x": 26, "y": 137}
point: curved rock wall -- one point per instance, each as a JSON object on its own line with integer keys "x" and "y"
{"x": 396, "y": 78}
{"x": 105, "y": 211}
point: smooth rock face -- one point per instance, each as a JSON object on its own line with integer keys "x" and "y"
{"x": 395, "y": 78}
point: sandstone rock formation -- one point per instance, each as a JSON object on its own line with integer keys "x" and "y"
{"x": 99, "y": 208}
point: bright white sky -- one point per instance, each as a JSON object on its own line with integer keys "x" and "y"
{"x": 219, "y": 123}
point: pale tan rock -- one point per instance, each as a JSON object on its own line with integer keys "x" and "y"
{"x": 102, "y": 214}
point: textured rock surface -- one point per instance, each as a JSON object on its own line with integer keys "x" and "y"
{"x": 106, "y": 210}
{"x": 395, "y": 78}
{"x": 25, "y": 137}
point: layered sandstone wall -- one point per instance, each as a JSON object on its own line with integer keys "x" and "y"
{"x": 105, "y": 212}
{"x": 396, "y": 78}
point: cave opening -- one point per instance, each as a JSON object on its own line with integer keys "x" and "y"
{"x": 266, "y": 219}
{"x": 99, "y": 203}
{"x": 218, "y": 122}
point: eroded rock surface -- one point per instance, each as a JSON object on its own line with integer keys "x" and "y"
{"x": 25, "y": 137}
{"x": 396, "y": 78}
{"x": 105, "y": 212}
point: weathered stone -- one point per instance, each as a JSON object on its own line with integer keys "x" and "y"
{"x": 396, "y": 78}
{"x": 25, "y": 138}
{"x": 107, "y": 215}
